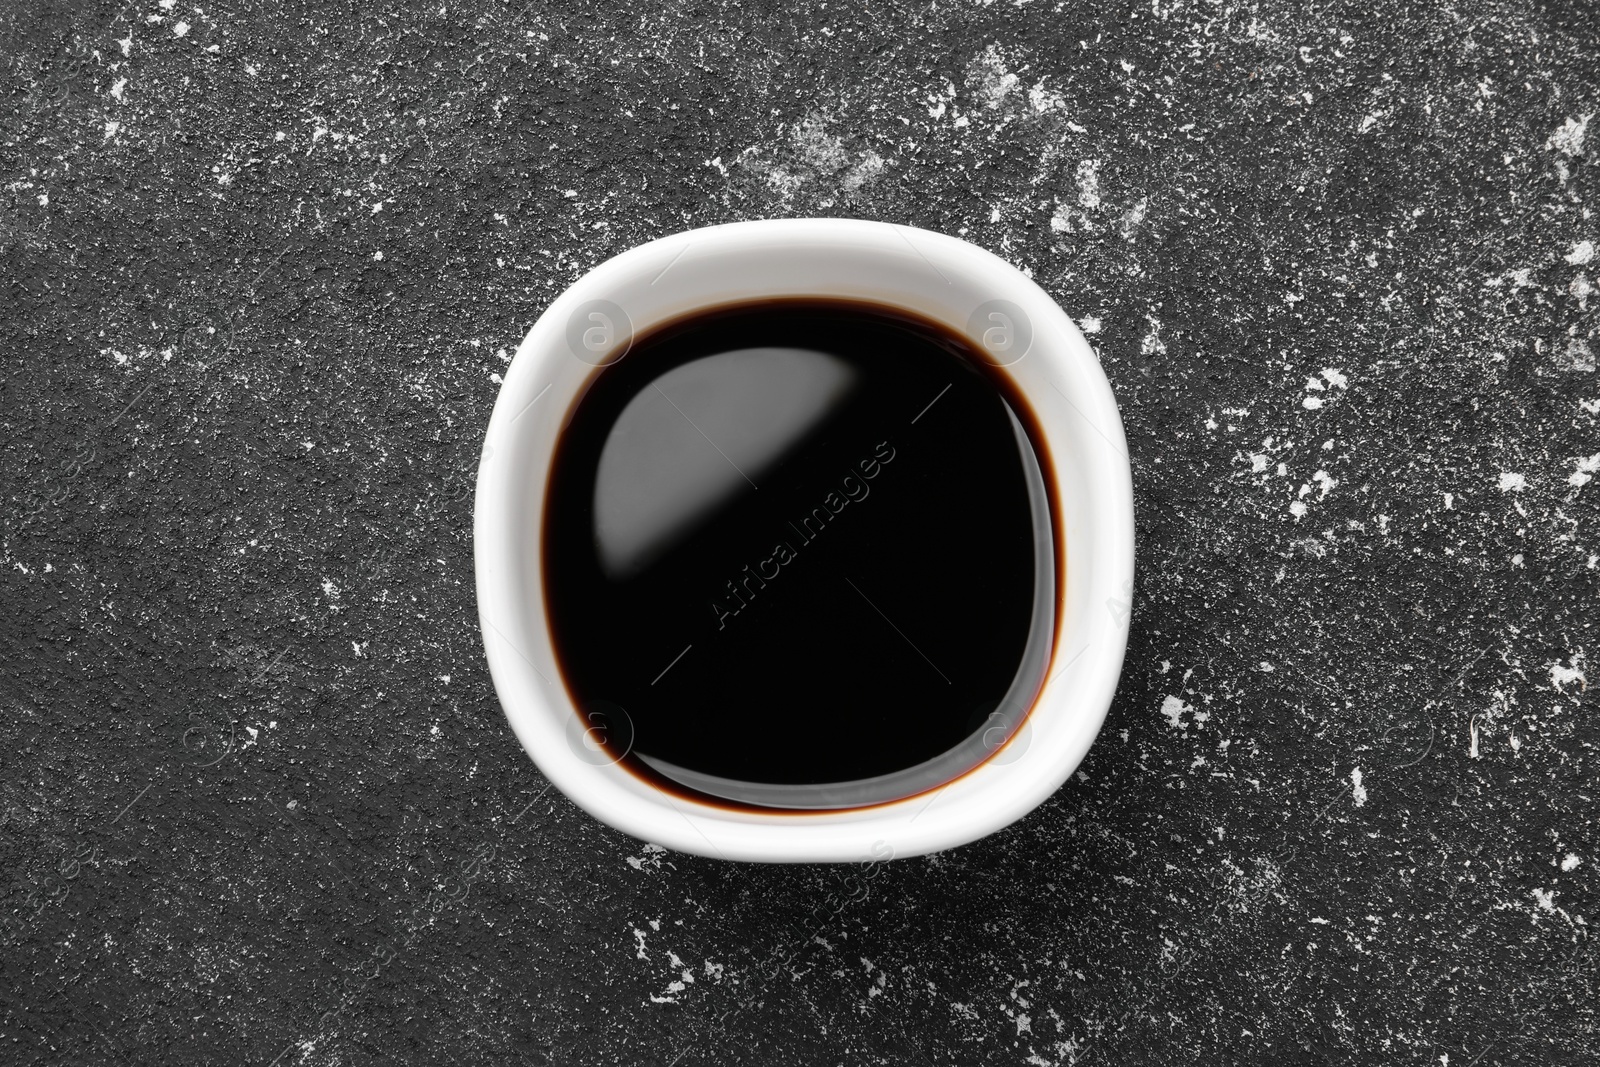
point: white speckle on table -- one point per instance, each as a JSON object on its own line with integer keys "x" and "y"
{"x": 1089, "y": 183}
{"x": 1173, "y": 708}
{"x": 1562, "y": 676}
{"x": 1133, "y": 217}
{"x": 1297, "y": 508}
{"x": 1546, "y": 899}
{"x": 1358, "y": 792}
{"x": 812, "y": 154}
{"x": 650, "y": 858}
{"x": 180, "y": 29}
{"x": 1512, "y": 482}
{"x": 1581, "y": 253}
{"x": 1586, "y": 468}
{"x": 1568, "y": 137}
{"x": 1330, "y": 378}
{"x": 1576, "y": 356}
{"x": 988, "y": 74}
{"x": 1246, "y": 892}
{"x": 868, "y": 167}
{"x": 1042, "y": 99}
{"x": 1153, "y": 345}
{"x": 1571, "y": 861}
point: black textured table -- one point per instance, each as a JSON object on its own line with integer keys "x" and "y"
{"x": 262, "y": 265}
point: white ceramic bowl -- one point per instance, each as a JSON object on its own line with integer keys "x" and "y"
{"x": 940, "y": 277}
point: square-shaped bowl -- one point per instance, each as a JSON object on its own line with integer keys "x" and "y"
{"x": 938, "y": 277}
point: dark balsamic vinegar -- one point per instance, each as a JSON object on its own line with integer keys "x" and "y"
{"x": 806, "y": 548}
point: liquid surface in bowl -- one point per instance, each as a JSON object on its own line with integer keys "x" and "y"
{"x": 800, "y": 554}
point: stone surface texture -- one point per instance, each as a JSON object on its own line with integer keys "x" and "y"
{"x": 262, "y": 265}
